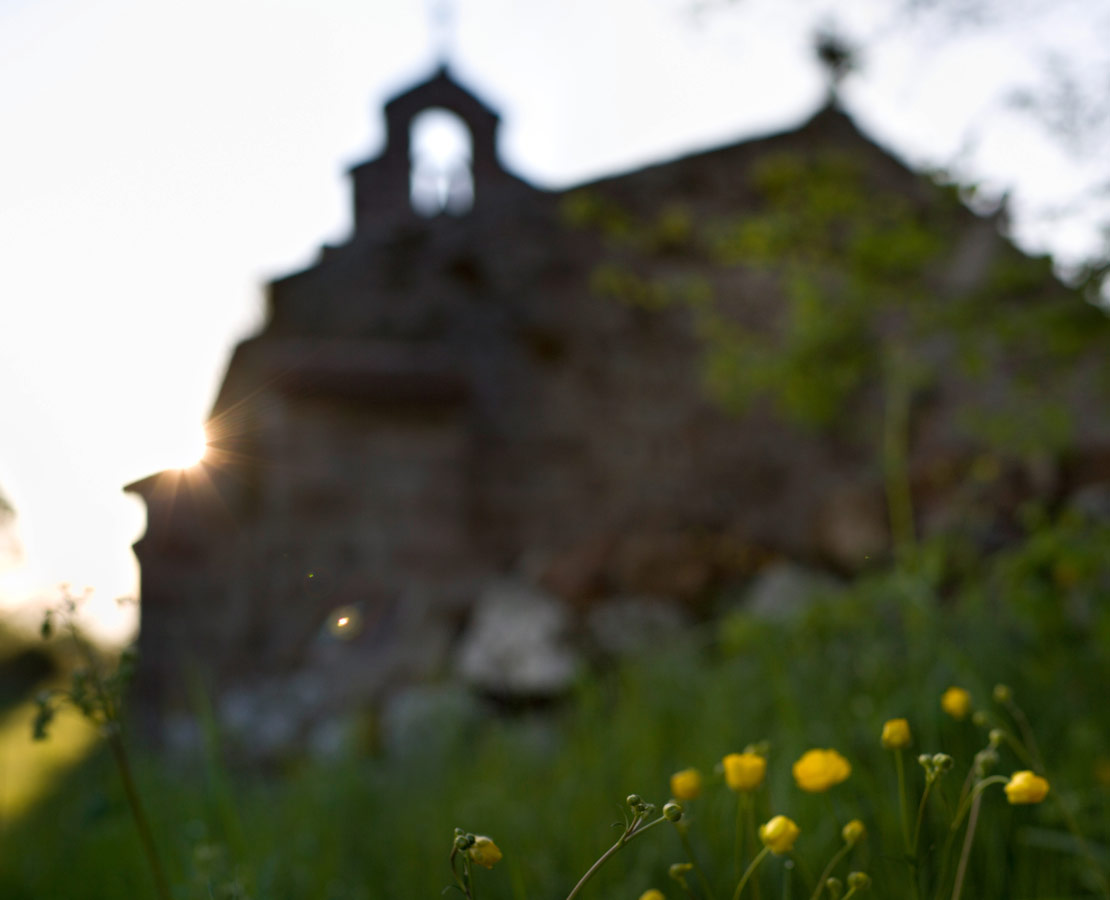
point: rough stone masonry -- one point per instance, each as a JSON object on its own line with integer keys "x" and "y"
{"x": 442, "y": 410}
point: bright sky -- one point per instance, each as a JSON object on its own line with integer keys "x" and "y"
{"x": 161, "y": 160}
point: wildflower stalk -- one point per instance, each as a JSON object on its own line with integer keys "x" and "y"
{"x": 902, "y": 805}
{"x": 752, "y": 841}
{"x": 472, "y": 892}
{"x": 973, "y": 798}
{"x": 684, "y": 837}
{"x": 920, "y": 817}
{"x": 142, "y": 825}
{"x": 970, "y": 800}
{"x": 965, "y": 854}
{"x": 909, "y": 842}
{"x": 748, "y": 872}
{"x": 1020, "y": 750}
{"x": 1084, "y": 847}
{"x": 741, "y": 817}
{"x": 1003, "y": 694}
{"x": 837, "y": 857}
{"x": 1028, "y": 751}
{"x": 745, "y": 831}
{"x": 635, "y": 828}
{"x": 106, "y": 702}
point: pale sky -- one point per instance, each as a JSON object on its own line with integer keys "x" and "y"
{"x": 161, "y": 160}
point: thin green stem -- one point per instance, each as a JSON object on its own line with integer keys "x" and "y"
{"x": 969, "y": 782}
{"x": 455, "y": 872}
{"x": 1026, "y": 734}
{"x": 965, "y": 854}
{"x": 967, "y": 800}
{"x": 693, "y": 861}
{"x": 1030, "y": 754}
{"x": 141, "y": 824}
{"x": 920, "y": 816}
{"x": 742, "y": 800}
{"x": 975, "y": 794}
{"x": 945, "y": 861}
{"x": 635, "y": 829}
{"x": 753, "y": 840}
{"x": 1084, "y": 847}
{"x": 113, "y": 727}
{"x": 837, "y": 857}
{"x": 1019, "y": 749}
{"x": 902, "y": 804}
{"x": 471, "y": 891}
{"x": 748, "y": 872}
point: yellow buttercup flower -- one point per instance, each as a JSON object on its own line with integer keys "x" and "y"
{"x": 652, "y": 894}
{"x": 956, "y": 702}
{"x": 819, "y": 770}
{"x": 853, "y": 832}
{"x": 744, "y": 771}
{"x": 1025, "y": 787}
{"x": 686, "y": 785}
{"x": 779, "y": 834}
{"x": 484, "y": 851}
{"x": 896, "y": 734}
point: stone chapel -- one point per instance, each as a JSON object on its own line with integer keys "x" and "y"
{"x": 447, "y": 401}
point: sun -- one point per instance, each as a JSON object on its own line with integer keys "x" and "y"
{"x": 194, "y": 450}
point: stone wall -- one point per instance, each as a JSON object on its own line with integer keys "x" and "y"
{"x": 439, "y": 404}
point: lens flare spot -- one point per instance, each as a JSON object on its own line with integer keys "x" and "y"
{"x": 345, "y": 622}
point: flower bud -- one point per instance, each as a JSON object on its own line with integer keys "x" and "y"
{"x": 634, "y": 800}
{"x": 744, "y": 771}
{"x": 652, "y": 894}
{"x": 996, "y": 737}
{"x": 462, "y": 842}
{"x": 686, "y": 785}
{"x": 779, "y": 834}
{"x": 896, "y": 734}
{"x": 672, "y": 812}
{"x": 678, "y": 871}
{"x": 1025, "y": 787}
{"x": 985, "y": 760}
{"x": 859, "y": 881}
{"x": 943, "y": 762}
{"x": 956, "y": 702}
{"x": 835, "y": 887}
{"x": 1002, "y": 693}
{"x": 980, "y": 719}
{"x": 819, "y": 770}
{"x": 853, "y": 832}
{"x": 484, "y": 851}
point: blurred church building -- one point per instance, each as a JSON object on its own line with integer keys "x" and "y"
{"x": 496, "y": 397}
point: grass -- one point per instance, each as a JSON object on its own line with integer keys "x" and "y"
{"x": 549, "y": 786}
{"x": 28, "y": 771}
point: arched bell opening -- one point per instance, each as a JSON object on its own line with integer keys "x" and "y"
{"x": 441, "y": 156}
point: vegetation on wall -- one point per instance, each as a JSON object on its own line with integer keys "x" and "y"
{"x": 869, "y": 307}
